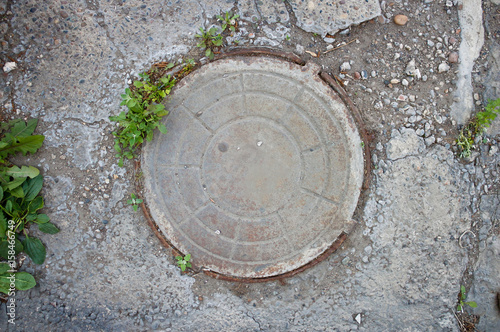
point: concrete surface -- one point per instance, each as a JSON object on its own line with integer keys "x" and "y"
{"x": 471, "y": 21}
{"x": 328, "y": 17}
{"x": 402, "y": 267}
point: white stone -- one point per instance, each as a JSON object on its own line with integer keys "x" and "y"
{"x": 443, "y": 67}
{"x": 493, "y": 150}
{"x": 9, "y": 66}
{"x": 345, "y": 66}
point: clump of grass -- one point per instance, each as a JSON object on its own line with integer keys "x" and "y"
{"x": 476, "y": 128}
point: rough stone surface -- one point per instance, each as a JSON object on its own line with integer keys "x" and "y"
{"x": 492, "y": 89}
{"x": 487, "y": 268}
{"x": 404, "y": 143}
{"x": 268, "y": 11}
{"x": 328, "y": 17}
{"x": 472, "y": 40}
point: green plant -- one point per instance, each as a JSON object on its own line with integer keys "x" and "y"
{"x": 228, "y": 21}
{"x": 145, "y": 111}
{"x": 188, "y": 66}
{"x": 183, "y": 262}
{"x": 287, "y": 37}
{"x": 476, "y": 127}
{"x": 134, "y": 201}
{"x": 22, "y": 280}
{"x": 461, "y": 298}
{"x": 491, "y": 111}
{"x": 154, "y": 91}
{"x": 465, "y": 142}
{"x": 19, "y": 193}
{"x": 209, "y": 40}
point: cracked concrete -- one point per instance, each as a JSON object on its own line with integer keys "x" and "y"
{"x": 402, "y": 267}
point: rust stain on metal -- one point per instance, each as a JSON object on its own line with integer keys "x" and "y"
{"x": 261, "y": 51}
{"x": 335, "y": 245}
{"x": 360, "y": 124}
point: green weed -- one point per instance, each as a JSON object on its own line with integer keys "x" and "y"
{"x": 20, "y": 187}
{"x": 461, "y": 298}
{"x": 134, "y": 201}
{"x": 476, "y": 127}
{"x": 228, "y": 21}
{"x": 145, "y": 111}
{"x": 209, "y": 40}
{"x": 22, "y": 280}
{"x": 183, "y": 262}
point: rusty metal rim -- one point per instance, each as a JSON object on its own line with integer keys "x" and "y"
{"x": 359, "y": 122}
{"x": 263, "y": 51}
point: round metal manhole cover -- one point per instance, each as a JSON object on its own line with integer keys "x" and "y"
{"x": 261, "y": 168}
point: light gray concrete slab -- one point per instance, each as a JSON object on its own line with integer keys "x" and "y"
{"x": 324, "y": 17}
{"x": 472, "y": 33}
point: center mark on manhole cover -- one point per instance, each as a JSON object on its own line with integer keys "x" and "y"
{"x": 252, "y": 180}
{"x": 260, "y": 170}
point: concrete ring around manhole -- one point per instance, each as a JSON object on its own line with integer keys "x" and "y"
{"x": 261, "y": 168}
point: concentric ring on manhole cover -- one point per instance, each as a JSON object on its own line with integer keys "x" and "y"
{"x": 261, "y": 168}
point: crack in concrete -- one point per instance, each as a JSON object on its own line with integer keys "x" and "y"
{"x": 291, "y": 13}
{"x": 255, "y": 320}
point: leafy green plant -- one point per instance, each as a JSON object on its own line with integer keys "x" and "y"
{"x": 491, "y": 111}
{"x": 209, "y": 40}
{"x": 20, "y": 201}
{"x": 228, "y": 21}
{"x": 183, "y": 262}
{"x": 134, "y": 201}
{"x": 477, "y": 127}
{"x": 145, "y": 110}
{"x": 22, "y": 280}
{"x": 154, "y": 92}
{"x": 461, "y": 300}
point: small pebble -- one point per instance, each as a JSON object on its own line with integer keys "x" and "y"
{"x": 453, "y": 57}
{"x": 345, "y": 66}
{"x": 443, "y": 67}
{"x": 400, "y": 19}
{"x": 9, "y": 66}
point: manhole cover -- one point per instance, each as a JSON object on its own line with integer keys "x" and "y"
{"x": 261, "y": 168}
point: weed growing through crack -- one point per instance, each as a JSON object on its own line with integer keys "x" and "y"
{"x": 228, "y": 21}
{"x": 188, "y": 67}
{"x": 134, "y": 201}
{"x": 461, "y": 300}
{"x": 145, "y": 111}
{"x": 20, "y": 200}
{"x": 476, "y": 127}
{"x": 183, "y": 262}
{"x": 209, "y": 41}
